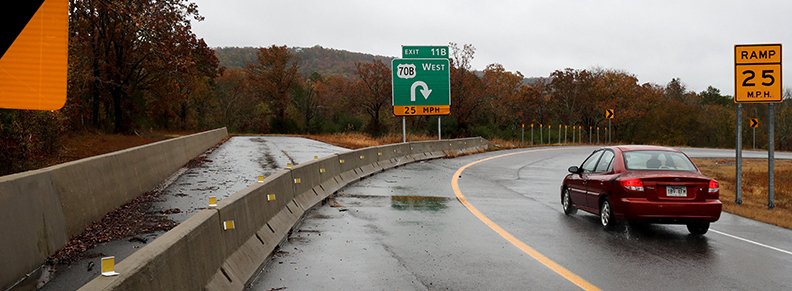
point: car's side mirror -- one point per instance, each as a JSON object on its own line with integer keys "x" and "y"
{"x": 574, "y": 170}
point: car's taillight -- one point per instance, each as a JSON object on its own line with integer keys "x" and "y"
{"x": 632, "y": 184}
{"x": 713, "y": 187}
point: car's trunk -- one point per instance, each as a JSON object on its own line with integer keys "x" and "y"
{"x": 673, "y": 185}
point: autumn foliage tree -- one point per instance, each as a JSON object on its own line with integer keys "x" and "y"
{"x": 272, "y": 78}
{"x": 134, "y": 63}
{"x": 375, "y": 92}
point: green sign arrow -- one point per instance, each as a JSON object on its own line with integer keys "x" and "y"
{"x": 421, "y": 87}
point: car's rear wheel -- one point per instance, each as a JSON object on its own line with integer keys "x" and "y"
{"x": 606, "y": 215}
{"x": 566, "y": 202}
{"x": 698, "y": 228}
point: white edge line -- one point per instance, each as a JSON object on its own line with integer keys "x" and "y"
{"x": 753, "y": 242}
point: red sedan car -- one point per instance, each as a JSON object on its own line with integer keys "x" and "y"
{"x": 642, "y": 184}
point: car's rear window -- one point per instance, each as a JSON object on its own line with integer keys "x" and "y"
{"x": 658, "y": 160}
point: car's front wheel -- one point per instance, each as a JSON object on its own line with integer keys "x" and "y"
{"x": 606, "y": 215}
{"x": 698, "y": 228}
{"x": 566, "y": 202}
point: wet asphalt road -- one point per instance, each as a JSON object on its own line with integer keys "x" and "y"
{"x": 227, "y": 169}
{"x": 405, "y": 230}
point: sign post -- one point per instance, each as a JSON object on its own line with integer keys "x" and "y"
{"x": 770, "y": 156}
{"x": 574, "y": 128}
{"x": 439, "y": 131}
{"x": 754, "y": 125}
{"x": 404, "y": 130}
{"x": 559, "y": 133}
{"x": 738, "y": 155}
{"x": 532, "y": 138}
{"x": 609, "y": 115}
{"x": 757, "y": 79}
{"x": 549, "y": 126}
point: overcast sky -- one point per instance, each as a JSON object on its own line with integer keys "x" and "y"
{"x": 654, "y": 40}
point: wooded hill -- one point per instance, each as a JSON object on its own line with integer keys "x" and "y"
{"x": 325, "y": 61}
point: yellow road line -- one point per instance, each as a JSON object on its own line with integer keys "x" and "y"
{"x": 544, "y": 260}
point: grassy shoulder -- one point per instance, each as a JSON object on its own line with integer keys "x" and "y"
{"x": 356, "y": 140}
{"x": 754, "y": 188}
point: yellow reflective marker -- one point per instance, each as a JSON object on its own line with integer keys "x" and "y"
{"x": 340, "y": 161}
{"x": 261, "y": 179}
{"x": 288, "y": 165}
{"x": 108, "y": 267}
{"x": 297, "y": 181}
{"x": 270, "y": 197}
{"x": 379, "y": 153}
{"x": 362, "y": 157}
{"x": 316, "y": 157}
{"x": 228, "y": 225}
{"x": 212, "y": 201}
{"x": 322, "y": 170}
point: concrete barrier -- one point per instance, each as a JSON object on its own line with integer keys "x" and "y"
{"x": 42, "y": 209}
{"x": 420, "y": 151}
{"x": 386, "y": 156}
{"x": 260, "y": 223}
{"x": 331, "y": 175}
{"x": 368, "y": 161}
{"x": 250, "y": 209}
{"x": 184, "y": 258}
{"x": 91, "y": 187}
{"x": 350, "y": 162}
{"x": 307, "y": 182}
{"x": 32, "y": 225}
{"x": 402, "y": 154}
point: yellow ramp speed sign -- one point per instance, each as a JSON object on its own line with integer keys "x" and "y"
{"x": 757, "y": 73}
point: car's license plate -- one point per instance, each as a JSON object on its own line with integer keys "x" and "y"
{"x": 676, "y": 191}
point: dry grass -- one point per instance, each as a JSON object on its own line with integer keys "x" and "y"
{"x": 356, "y": 140}
{"x": 754, "y": 188}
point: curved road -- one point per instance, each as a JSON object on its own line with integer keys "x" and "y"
{"x": 406, "y": 229}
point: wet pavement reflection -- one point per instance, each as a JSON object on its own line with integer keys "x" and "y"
{"x": 428, "y": 203}
{"x": 404, "y": 230}
{"x": 231, "y": 167}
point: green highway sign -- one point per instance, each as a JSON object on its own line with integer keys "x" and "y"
{"x": 424, "y": 52}
{"x": 421, "y": 87}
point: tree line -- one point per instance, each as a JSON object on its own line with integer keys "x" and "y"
{"x": 136, "y": 66}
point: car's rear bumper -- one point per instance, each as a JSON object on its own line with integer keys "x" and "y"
{"x": 640, "y": 209}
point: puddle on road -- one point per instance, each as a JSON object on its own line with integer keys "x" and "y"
{"x": 430, "y": 203}
{"x": 398, "y": 202}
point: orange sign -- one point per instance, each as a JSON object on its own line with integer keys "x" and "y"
{"x": 33, "y": 55}
{"x": 757, "y": 73}
{"x": 422, "y": 110}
